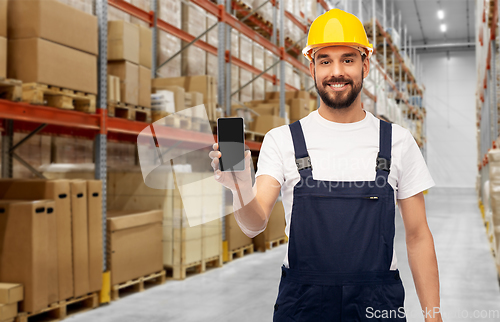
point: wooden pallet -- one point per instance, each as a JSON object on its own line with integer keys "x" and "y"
{"x": 183, "y": 271}
{"x": 254, "y": 136}
{"x": 275, "y": 243}
{"x": 137, "y": 285}
{"x": 41, "y": 94}
{"x": 129, "y": 112}
{"x": 240, "y": 252}
{"x": 11, "y": 89}
{"x": 61, "y": 310}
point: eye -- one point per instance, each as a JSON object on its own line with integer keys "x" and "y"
{"x": 348, "y": 60}
{"x": 324, "y": 62}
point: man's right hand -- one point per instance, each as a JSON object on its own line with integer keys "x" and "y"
{"x": 227, "y": 178}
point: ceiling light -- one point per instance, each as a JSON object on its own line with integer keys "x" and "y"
{"x": 443, "y": 27}
{"x": 440, "y": 14}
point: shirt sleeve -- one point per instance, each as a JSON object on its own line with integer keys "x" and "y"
{"x": 270, "y": 160}
{"x": 414, "y": 176}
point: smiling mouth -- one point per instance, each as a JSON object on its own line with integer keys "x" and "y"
{"x": 338, "y": 86}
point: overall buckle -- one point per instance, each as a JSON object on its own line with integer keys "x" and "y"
{"x": 383, "y": 164}
{"x": 303, "y": 163}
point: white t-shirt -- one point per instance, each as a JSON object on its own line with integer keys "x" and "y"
{"x": 343, "y": 152}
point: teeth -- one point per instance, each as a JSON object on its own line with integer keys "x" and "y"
{"x": 337, "y": 85}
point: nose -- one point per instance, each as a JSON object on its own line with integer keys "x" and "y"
{"x": 336, "y": 69}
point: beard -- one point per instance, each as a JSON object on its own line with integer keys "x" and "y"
{"x": 337, "y": 100}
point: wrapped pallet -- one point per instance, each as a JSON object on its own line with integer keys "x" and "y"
{"x": 235, "y": 52}
{"x": 141, "y": 4}
{"x": 194, "y": 22}
{"x": 245, "y": 76}
{"x": 82, "y": 5}
{"x": 212, "y": 39}
{"x": 168, "y": 44}
{"x": 258, "y": 62}
{"x": 117, "y": 14}
{"x": 269, "y": 59}
{"x": 184, "y": 247}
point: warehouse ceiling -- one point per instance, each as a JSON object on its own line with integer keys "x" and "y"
{"x": 421, "y": 19}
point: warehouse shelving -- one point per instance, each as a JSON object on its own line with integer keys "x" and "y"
{"x": 101, "y": 128}
{"x": 487, "y": 57}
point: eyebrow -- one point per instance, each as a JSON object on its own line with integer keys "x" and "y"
{"x": 320, "y": 56}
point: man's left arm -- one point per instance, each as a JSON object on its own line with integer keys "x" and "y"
{"x": 421, "y": 255}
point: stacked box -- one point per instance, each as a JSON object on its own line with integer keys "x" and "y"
{"x": 182, "y": 245}
{"x": 245, "y": 48}
{"x": 25, "y": 250}
{"x": 203, "y": 84}
{"x": 10, "y": 296}
{"x": 193, "y": 59}
{"x": 134, "y": 244}
{"x": 275, "y": 228}
{"x": 168, "y": 44}
{"x": 82, "y": 5}
{"x": 68, "y": 54}
{"x": 258, "y": 62}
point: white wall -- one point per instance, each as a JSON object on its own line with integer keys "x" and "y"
{"x": 450, "y": 84}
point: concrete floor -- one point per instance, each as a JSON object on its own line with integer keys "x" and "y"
{"x": 246, "y": 289}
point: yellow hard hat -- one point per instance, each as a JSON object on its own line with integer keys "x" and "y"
{"x": 337, "y": 28}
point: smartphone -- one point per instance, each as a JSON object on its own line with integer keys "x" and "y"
{"x": 231, "y": 139}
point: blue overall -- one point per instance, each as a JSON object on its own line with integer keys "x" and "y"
{"x": 340, "y": 246}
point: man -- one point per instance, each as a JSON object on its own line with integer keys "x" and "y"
{"x": 339, "y": 171}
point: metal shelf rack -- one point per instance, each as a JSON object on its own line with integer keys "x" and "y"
{"x": 99, "y": 127}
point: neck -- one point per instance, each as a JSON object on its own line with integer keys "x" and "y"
{"x": 353, "y": 113}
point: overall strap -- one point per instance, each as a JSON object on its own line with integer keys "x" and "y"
{"x": 384, "y": 153}
{"x": 302, "y": 159}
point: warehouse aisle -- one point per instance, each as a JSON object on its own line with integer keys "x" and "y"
{"x": 245, "y": 289}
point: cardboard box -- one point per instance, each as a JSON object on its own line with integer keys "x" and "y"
{"x": 203, "y": 84}
{"x": 80, "y": 237}
{"x": 11, "y": 293}
{"x": 25, "y": 243}
{"x": 299, "y": 108}
{"x": 145, "y": 46}
{"x": 123, "y": 41}
{"x": 3, "y": 18}
{"x": 135, "y": 244}
{"x": 53, "y": 274}
{"x": 53, "y": 21}
{"x": 129, "y": 80}
{"x": 179, "y": 96}
{"x": 275, "y": 227}
{"x": 288, "y": 95}
{"x": 235, "y": 237}
{"x": 264, "y": 123}
{"x": 3, "y": 56}
{"x": 144, "y": 86}
{"x": 94, "y": 210}
{"x": 114, "y": 89}
{"x": 41, "y": 61}
{"x": 59, "y": 191}
{"x": 8, "y": 311}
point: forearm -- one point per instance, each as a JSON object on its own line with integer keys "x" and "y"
{"x": 248, "y": 212}
{"x": 423, "y": 265}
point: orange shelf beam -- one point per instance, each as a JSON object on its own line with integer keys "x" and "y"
{"x": 324, "y": 5}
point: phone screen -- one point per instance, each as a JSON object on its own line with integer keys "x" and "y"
{"x": 231, "y": 136}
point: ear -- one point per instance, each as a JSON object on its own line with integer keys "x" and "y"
{"x": 366, "y": 67}
{"x": 311, "y": 69}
